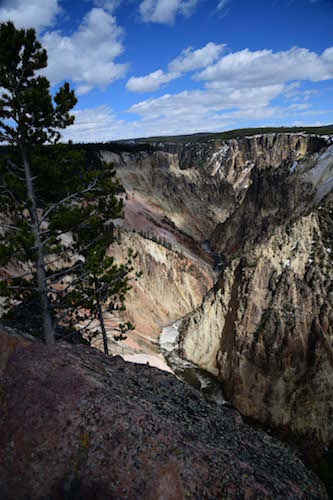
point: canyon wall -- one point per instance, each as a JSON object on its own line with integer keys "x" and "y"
{"x": 266, "y": 328}
{"x": 198, "y": 185}
{"x": 172, "y": 284}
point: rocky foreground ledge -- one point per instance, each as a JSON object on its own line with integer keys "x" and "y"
{"x": 77, "y": 424}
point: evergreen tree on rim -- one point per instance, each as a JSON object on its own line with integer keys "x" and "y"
{"x": 52, "y": 203}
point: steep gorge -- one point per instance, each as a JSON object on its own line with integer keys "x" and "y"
{"x": 265, "y": 328}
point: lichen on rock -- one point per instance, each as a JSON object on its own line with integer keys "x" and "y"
{"x": 79, "y": 424}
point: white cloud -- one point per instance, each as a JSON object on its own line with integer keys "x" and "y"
{"x": 190, "y": 60}
{"x": 33, "y": 13}
{"x": 189, "y": 112}
{"x": 221, "y": 5}
{"x": 240, "y": 90}
{"x": 109, "y": 5}
{"x": 100, "y": 124}
{"x": 241, "y": 87}
{"x": 222, "y": 9}
{"x": 263, "y": 67}
{"x": 201, "y": 102}
{"x": 151, "y": 82}
{"x": 87, "y": 56}
{"x": 94, "y": 125}
{"x": 202, "y": 110}
{"x": 165, "y": 11}
{"x": 299, "y": 106}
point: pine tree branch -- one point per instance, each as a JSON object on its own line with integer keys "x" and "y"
{"x": 77, "y": 253}
{"x": 107, "y": 285}
{"x": 11, "y": 287}
{"x": 84, "y": 328}
{"x": 76, "y": 226}
{"x": 65, "y": 200}
{"x": 7, "y": 189}
{"x": 12, "y": 165}
{"x": 28, "y": 273}
{"x": 63, "y": 274}
{"x": 14, "y": 228}
{"x": 64, "y": 290}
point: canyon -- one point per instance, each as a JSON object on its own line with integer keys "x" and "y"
{"x": 234, "y": 241}
{"x": 264, "y": 326}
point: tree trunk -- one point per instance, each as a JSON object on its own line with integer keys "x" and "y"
{"x": 101, "y": 322}
{"x": 48, "y": 327}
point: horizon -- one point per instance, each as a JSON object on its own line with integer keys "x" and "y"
{"x": 252, "y": 131}
{"x": 232, "y": 133}
{"x": 156, "y": 68}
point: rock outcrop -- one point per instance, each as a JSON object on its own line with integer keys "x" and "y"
{"x": 172, "y": 284}
{"x": 77, "y": 424}
{"x": 199, "y": 185}
{"x": 266, "y": 329}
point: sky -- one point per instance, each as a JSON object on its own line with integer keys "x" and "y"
{"x": 164, "y": 67}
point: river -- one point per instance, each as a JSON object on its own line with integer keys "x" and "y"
{"x": 190, "y": 373}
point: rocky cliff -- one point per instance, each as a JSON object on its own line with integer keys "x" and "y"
{"x": 266, "y": 329}
{"x": 180, "y": 194}
{"x": 77, "y": 424}
{"x": 198, "y": 185}
{"x": 173, "y": 282}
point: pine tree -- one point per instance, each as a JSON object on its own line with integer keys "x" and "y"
{"x": 56, "y": 210}
{"x": 100, "y": 285}
{"x": 29, "y": 119}
{"x": 97, "y": 284}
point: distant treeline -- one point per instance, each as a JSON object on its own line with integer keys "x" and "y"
{"x": 234, "y": 134}
{"x": 148, "y": 144}
{"x": 92, "y": 148}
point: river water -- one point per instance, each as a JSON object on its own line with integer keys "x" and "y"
{"x": 219, "y": 263}
{"x": 190, "y": 373}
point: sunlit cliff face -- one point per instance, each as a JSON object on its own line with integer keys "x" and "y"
{"x": 265, "y": 328}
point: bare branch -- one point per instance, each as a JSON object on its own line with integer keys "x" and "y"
{"x": 78, "y": 226}
{"x": 14, "y": 166}
{"x": 76, "y": 253}
{"x": 80, "y": 330}
{"x": 64, "y": 290}
{"x": 62, "y": 274}
{"x": 7, "y": 189}
{"x": 10, "y": 287}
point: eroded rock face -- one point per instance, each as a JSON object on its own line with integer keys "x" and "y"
{"x": 172, "y": 284}
{"x": 198, "y": 185}
{"x": 267, "y": 327}
{"x": 77, "y": 424}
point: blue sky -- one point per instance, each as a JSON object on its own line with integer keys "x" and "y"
{"x": 160, "y": 67}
